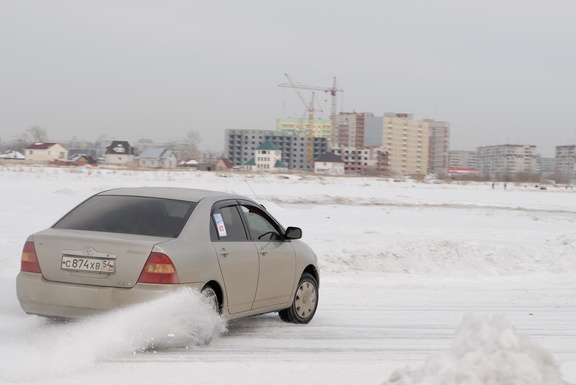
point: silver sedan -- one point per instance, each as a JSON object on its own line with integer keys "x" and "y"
{"x": 131, "y": 245}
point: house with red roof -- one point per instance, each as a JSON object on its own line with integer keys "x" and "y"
{"x": 223, "y": 164}
{"x": 46, "y": 152}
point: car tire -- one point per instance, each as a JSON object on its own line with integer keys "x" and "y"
{"x": 212, "y": 298}
{"x": 305, "y": 301}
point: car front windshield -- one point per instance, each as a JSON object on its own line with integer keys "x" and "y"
{"x": 129, "y": 215}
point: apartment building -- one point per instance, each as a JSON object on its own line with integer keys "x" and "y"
{"x": 565, "y": 166}
{"x": 364, "y": 159}
{"x": 240, "y": 147}
{"x": 366, "y": 143}
{"x": 321, "y": 128}
{"x": 374, "y": 131}
{"x": 548, "y": 168}
{"x": 464, "y": 159}
{"x": 439, "y": 147}
{"x": 350, "y": 127}
{"x": 508, "y": 161}
{"x": 407, "y": 141}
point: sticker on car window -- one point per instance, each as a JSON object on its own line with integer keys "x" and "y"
{"x": 220, "y": 225}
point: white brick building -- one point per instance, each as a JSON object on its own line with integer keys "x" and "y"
{"x": 506, "y": 161}
{"x": 267, "y": 157}
{"x": 566, "y": 162}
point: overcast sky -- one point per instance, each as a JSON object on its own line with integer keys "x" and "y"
{"x": 500, "y": 71}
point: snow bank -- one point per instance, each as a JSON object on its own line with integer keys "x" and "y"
{"x": 448, "y": 258}
{"x": 181, "y": 320}
{"x": 485, "y": 351}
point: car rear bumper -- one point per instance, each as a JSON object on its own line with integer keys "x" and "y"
{"x": 56, "y": 299}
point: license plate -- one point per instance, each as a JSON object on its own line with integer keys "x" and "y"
{"x": 88, "y": 264}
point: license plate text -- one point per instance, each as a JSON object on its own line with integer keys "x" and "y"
{"x": 87, "y": 264}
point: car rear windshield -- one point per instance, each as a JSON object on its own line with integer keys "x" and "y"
{"x": 129, "y": 215}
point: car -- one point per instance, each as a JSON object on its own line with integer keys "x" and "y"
{"x": 131, "y": 245}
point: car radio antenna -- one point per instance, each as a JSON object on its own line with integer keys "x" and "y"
{"x": 257, "y": 198}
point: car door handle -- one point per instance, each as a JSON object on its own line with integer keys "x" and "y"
{"x": 223, "y": 252}
{"x": 262, "y": 251}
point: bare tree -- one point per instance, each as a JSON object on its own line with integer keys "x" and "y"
{"x": 34, "y": 134}
{"x": 19, "y": 143}
{"x": 187, "y": 148}
{"x": 38, "y": 134}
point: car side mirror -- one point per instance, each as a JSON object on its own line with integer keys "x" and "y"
{"x": 293, "y": 233}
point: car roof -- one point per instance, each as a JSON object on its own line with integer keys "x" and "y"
{"x": 179, "y": 193}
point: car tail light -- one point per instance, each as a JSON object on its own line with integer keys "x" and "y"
{"x": 29, "y": 260}
{"x": 158, "y": 269}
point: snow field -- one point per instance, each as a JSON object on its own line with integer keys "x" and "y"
{"x": 421, "y": 283}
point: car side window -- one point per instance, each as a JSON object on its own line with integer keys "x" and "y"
{"x": 227, "y": 225}
{"x": 260, "y": 225}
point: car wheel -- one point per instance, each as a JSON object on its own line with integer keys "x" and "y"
{"x": 305, "y": 301}
{"x": 211, "y": 298}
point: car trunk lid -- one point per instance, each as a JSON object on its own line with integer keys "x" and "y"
{"x": 93, "y": 258}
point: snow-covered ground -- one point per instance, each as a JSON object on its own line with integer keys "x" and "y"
{"x": 421, "y": 283}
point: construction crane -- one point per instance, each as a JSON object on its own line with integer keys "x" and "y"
{"x": 297, "y": 87}
{"x": 310, "y": 108}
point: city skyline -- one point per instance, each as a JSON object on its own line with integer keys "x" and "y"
{"x": 499, "y": 72}
{"x": 147, "y": 142}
